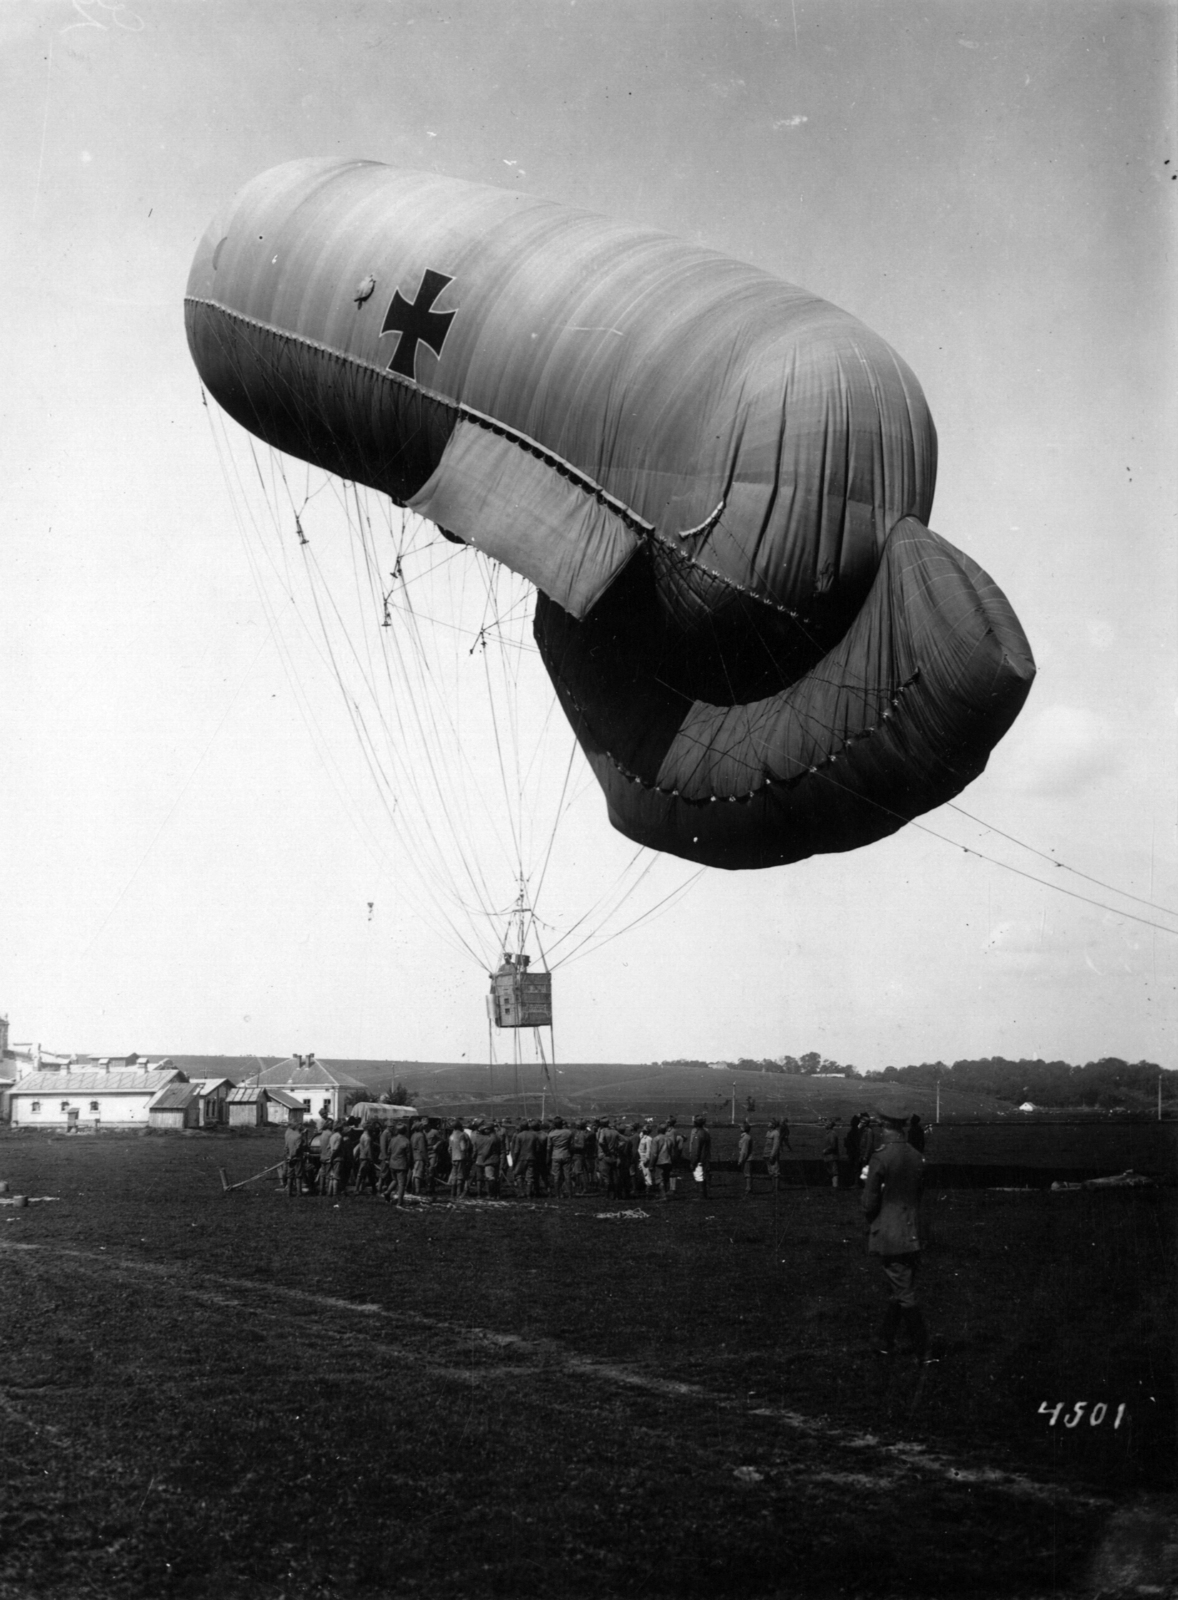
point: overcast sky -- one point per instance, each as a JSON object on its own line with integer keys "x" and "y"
{"x": 192, "y": 854}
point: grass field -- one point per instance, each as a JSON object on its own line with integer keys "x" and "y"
{"x": 241, "y": 1394}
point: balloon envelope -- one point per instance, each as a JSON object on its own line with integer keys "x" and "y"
{"x": 719, "y": 484}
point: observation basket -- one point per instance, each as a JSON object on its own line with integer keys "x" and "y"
{"x": 519, "y": 998}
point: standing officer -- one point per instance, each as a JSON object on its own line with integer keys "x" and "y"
{"x": 891, "y": 1199}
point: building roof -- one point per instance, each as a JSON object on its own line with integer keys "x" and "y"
{"x": 94, "y": 1081}
{"x": 207, "y": 1085}
{"x": 245, "y": 1094}
{"x": 289, "y": 1075}
{"x": 175, "y": 1097}
{"x": 282, "y": 1098}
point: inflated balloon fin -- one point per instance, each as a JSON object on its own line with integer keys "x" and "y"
{"x": 719, "y": 484}
{"x": 897, "y": 718}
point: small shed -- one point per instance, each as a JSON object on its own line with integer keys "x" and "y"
{"x": 175, "y": 1107}
{"x": 245, "y": 1105}
{"x": 284, "y": 1107}
{"x": 213, "y": 1095}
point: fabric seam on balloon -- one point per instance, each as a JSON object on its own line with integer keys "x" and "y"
{"x": 729, "y": 583}
{"x": 522, "y": 441}
{"x": 893, "y": 702}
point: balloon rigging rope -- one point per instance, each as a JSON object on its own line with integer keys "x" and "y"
{"x": 416, "y": 859}
{"x": 367, "y": 744}
{"x": 1062, "y": 865}
{"x": 284, "y": 380}
{"x": 1045, "y": 883}
{"x": 414, "y": 856}
{"x": 568, "y": 771}
{"x": 441, "y": 713}
{"x": 242, "y": 504}
{"x": 503, "y": 773}
{"x": 619, "y": 892}
{"x": 668, "y": 899}
{"x": 441, "y": 786}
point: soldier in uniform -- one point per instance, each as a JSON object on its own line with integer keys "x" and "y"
{"x": 400, "y": 1160}
{"x": 294, "y": 1143}
{"x": 744, "y": 1157}
{"x": 560, "y": 1151}
{"x": 830, "y": 1154}
{"x": 645, "y": 1156}
{"x": 891, "y": 1200}
{"x": 488, "y": 1158}
{"x": 435, "y": 1162}
{"x": 460, "y": 1154}
{"x": 578, "y": 1145}
{"x": 523, "y": 1156}
{"x": 700, "y": 1154}
{"x": 542, "y": 1131}
{"x": 367, "y": 1151}
{"x": 868, "y": 1141}
{"x": 773, "y": 1152}
{"x": 419, "y": 1156}
{"x": 337, "y": 1156}
{"x": 662, "y": 1157}
{"x": 627, "y": 1160}
{"x": 590, "y": 1131}
{"x": 607, "y": 1157}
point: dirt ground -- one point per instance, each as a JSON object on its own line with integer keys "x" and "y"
{"x": 211, "y": 1394}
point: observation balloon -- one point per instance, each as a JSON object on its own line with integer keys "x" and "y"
{"x": 718, "y": 483}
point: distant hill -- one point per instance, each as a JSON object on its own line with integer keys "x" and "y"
{"x": 625, "y": 1087}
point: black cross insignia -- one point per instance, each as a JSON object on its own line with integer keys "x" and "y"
{"x": 416, "y": 323}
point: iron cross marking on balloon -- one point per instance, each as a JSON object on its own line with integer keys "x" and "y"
{"x": 417, "y": 323}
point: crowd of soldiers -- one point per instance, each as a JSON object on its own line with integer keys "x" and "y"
{"x": 428, "y": 1157}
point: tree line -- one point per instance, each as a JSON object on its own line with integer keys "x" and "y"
{"x": 1107, "y": 1084}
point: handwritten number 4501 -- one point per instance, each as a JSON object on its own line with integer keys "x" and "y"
{"x": 1095, "y": 1417}
{"x": 118, "y": 14}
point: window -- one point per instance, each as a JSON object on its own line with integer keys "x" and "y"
{"x": 306, "y": 1105}
{"x": 36, "y": 1106}
{"x": 65, "y": 1105}
{"x": 94, "y": 1105}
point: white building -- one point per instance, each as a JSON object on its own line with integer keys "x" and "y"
{"x": 313, "y": 1084}
{"x": 91, "y": 1097}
